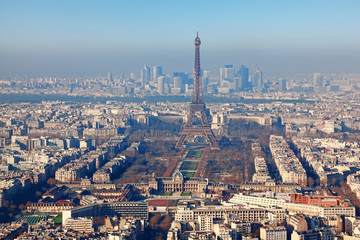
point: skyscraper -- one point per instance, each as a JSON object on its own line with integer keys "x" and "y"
{"x": 145, "y": 75}
{"x": 206, "y": 74}
{"x": 178, "y": 86}
{"x": 110, "y": 77}
{"x": 243, "y": 78}
{"x": 282, "y": 84}
{"x": 157, "y": 72}
{"x": 177, "y": 82}
{"x": 184, "y": 77}
{"x": 227, "y": 74}
{"x": 161, "y": 85}
{"x": 205, "y": 81}
{"x": 258, "y": 78}
{"x": 318, "y": 79}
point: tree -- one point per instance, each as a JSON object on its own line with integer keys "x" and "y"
{"x": 154, "y": 220}
{"x": 263, "y": 140}
{"x": 6, "y": 204}
{"x": 310, "y": 181}
{"x": 27, "y": 204}
{"x": 165, "y": 223}
{"x": 21, "y": 206}
{"x": 51, "y": 181}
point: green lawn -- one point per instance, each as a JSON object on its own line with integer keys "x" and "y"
{"x": 173, "y": 203}
{"x": 57, "y": 219}
{"x": 194, "y": 154}
{"x": 189, "y": 165}
{"x": 167, "y": 194}
{"x": 185, "y": 194}
{"x": 188, "y": 174}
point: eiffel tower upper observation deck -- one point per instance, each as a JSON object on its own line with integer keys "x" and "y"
{"x": 193, "y": 126}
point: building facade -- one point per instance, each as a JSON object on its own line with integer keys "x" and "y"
{"x": 177, "y": 183}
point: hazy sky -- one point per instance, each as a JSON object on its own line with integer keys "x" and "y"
{"x": 116, "y": 36}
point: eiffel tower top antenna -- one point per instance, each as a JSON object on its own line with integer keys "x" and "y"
{"x": 197, "y": 92}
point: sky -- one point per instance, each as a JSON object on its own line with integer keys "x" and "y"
{"x": 289, "y": 36}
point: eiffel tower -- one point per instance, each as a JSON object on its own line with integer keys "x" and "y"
{"x": 197, "y": 126}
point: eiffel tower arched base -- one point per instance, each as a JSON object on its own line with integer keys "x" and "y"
{"x": 189, "y": 131}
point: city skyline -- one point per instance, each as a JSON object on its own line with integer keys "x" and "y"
{"x": 118, "y": 122}
{"x": 63, "y": 36}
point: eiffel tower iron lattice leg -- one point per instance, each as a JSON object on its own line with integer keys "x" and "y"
{"x": 189, "y": 131}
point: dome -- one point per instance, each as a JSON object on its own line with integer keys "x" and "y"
{"x": 177, "y": 174}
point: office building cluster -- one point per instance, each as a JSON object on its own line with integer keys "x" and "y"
{"x": 228, "y": 81}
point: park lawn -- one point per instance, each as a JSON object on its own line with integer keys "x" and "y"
{"x": 194, "y": 154}
{"x": 189, "y": 165}
{"x": 173, "y": 203}
{"x": 57, "y": 219}
{"x": 188, "y": 174}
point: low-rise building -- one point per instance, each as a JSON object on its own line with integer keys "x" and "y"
{"x": 319, "y": 233}
{"x": 79, "y": 224}
{"x": 276, "y": 233}
{"x": 178, "y": 183}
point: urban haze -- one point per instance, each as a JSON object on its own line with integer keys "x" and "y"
{"x": 179, "y": 120}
